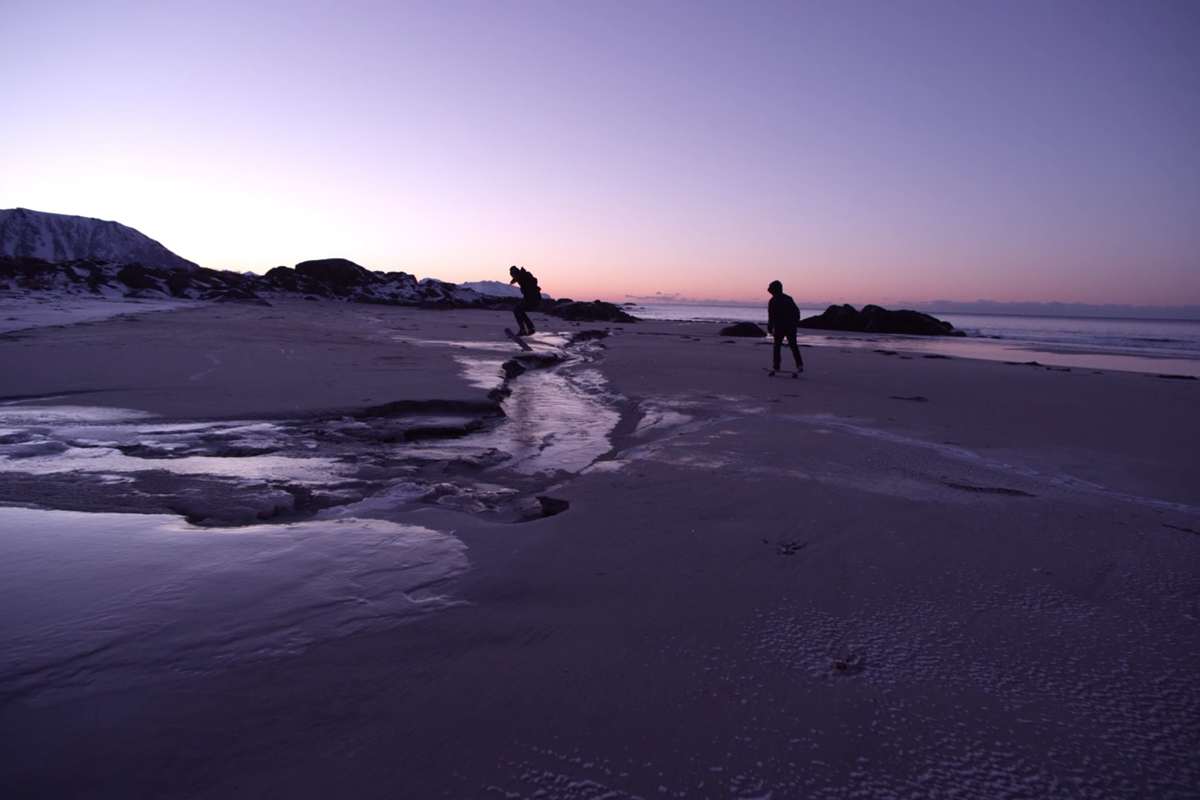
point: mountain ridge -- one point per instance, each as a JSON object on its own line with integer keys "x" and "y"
{"x": 54, "y": 238}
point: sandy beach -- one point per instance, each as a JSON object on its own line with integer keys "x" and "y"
{"x": 336, "y": 550}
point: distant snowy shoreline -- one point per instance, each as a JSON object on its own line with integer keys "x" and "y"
{"x": 24, "y": 312}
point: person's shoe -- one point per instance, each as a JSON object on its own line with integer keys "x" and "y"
{"x": 530, "y": 332}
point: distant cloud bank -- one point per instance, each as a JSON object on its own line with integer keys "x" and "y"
{"x": 1029, "y": 309}
{"x": 659, "y": 297}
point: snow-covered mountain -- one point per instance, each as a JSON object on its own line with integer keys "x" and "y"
{"x": 61, "y": 237}
{"x": 493, "y": 288}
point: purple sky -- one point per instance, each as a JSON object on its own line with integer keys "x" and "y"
{"x": 859, "y": 152}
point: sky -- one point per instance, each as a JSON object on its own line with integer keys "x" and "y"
{"x": 862, "y": 152}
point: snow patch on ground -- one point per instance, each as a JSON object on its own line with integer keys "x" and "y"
{"x": 47, "y": 310}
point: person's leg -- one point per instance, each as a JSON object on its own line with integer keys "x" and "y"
{"x": 791, "y": 339}
{"x": 775, "y": 352}
{"x": 524, "y": 324}
{"x": 530, "y": 305}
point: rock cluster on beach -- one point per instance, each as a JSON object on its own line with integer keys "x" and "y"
{"x": 873, "y": 319}
{"x": 63, "y": 254}
{"x": 577, "y": 311}
{"x": 324, "y": 279}
{"x": 79, "y": 256}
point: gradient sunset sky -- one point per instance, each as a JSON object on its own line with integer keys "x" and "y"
{"x": 858, "y": 151}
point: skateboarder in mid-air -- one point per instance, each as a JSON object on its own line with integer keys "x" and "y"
{"x": 531, "y": 296}
{"x": 782, "y": 318}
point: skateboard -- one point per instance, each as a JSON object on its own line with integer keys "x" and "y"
{"x": 795, "y": 372}
{"x": 524, "y": 346}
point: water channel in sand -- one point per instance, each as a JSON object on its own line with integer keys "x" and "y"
{"x": 556, "y": 419}
{"x": 88, "y": 596}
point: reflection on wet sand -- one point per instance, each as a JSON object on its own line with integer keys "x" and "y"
{"x": 1014, "y": 353}
{"x": 559, "y": 421}
{"x": 110, "y": 597}
{"x": 558, "y": 416}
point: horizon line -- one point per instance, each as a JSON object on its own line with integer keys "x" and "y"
{"x": 677, "y": 300}
{"x": 1190, "y": 311}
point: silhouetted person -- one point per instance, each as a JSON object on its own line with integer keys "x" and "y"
{"x": 782, "y": 318}
{"x": 531, "y": 296}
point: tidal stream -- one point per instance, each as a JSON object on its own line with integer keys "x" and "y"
{"x": 130, "y": 546}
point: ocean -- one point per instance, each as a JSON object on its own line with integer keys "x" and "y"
{"x": 1135, "y": 345}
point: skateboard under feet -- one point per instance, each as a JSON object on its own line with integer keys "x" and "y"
{"x": 795, "y": 372}
{"x": 524, "y": 345}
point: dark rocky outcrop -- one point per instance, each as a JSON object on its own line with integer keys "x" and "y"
{"x": 747, "y": 329}
{"x": 552, "y": 505}
{"x": 335, "y": 272}
{"x": 874, "y": 319}
{"x": 329, "y": 278}
{"x": 340, "y": 278}
{"x": 835, "y": 318}
{"x": 42, "y": 252}
{"x": 139, "y": 276}
{"x": 595, "y": 311}
{"x": 336, "y": 279}
{"x": 134, "y": 279}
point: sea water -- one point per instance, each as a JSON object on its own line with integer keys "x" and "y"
{"x": 1136, "y": 345}
{"x": 1150, "y": 337}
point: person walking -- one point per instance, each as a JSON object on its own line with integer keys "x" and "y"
{"x": 531, "y": 297}
{"x": 783, "y": 317}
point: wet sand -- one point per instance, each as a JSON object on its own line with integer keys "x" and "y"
{"x": 895, "y": 577}
{"x": 232, "y": 360}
